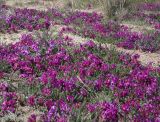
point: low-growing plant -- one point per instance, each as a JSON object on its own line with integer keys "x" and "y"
{"x": 5, "y": 66}
{"x": 78, "y": 82}
{"x": 149, "y": 43}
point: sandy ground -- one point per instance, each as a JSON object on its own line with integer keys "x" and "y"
{"x": 23, "y": 114}
{"x": 11, "y": 38}
{"x": 145, "y": 58}
{"x": 36, "y": 4}
{"x": 138, "y": 28}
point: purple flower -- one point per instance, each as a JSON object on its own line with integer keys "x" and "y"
{"x": 51, "y": 113}
{"x": 91, "y": 107}
{"x": 46, "y": 91}
{"x": 70, "y": 98}
{"x": 109, "y": 112}
{"x": 62, "y": 119}
{"x": 31, "y": 100}
{"x": 125, "y": 108}
{"x": 32, "y": 118}
{"x": 49, "y": 103}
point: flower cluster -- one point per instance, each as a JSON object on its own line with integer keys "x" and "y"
{"x": 92, "y": 26}
{"x": 29, "y": 19}
{"x": 62, "y": 78}
{"x": 149, "y": 6}
{"x": 108, "y": 111}
{"x": 87, "y": 25}
{"x": 148, "y": 12}
{"x": 8, "y": 99}
{"x": 86, "y": 82}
